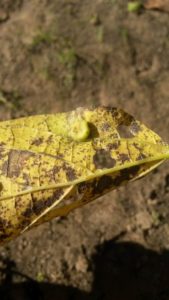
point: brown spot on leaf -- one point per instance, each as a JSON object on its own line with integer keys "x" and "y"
{"x": 123, "y": 157}
{"x": 40, "y": 205}
{"x": 13, "y": 169}
{"x": 135, "y": 127}
{"x": 1, "y": 187}
{"x": 16, "y": 162}
{"x": 4, "y": 224}
{"x": 93, "y": 131}
{"x": 4, "y": 236}
{"x": 114, "y": 136}
{"x": 37, "y": 142}
{"x": 4, "y": 168}
{"x": 84, "y": 186}
{"x": 105, "y": 126}
{"x": 60, "y": 156}
{"x": 104, "y": 183}
{"x": 137, "y": 147}
{"x": 26, "y": 177}
{"x": 57, "y": 194}
{"x": 129, "y": 173}
{"x": 23, "y": 224}
{"x": 124, "y": 131}
{"x": 56, "y": 170}
{"x": 124, "y": 175}
{"x": 18, "y": 202}
{"x": 49, "y": 140}
{"x": 2, "y": 153}
{"x": 102, "y": 159}
{"x": 113, "y": 110}
{"x": 70, "y": 172}
{"x": 113, "y": 146}
{"x": 126, "y": 119}
{"x": 28, "y": 212}
{"x": 141, "y": 156}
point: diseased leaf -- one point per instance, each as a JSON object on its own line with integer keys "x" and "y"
{"x": 51, "y": 164}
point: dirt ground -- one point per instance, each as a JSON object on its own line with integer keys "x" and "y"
{"x": 56, "y": 55}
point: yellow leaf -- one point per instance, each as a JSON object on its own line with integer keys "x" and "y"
{"x": 51, "y": 164}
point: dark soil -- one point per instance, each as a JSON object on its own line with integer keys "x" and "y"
{"x": 56, "y": 55}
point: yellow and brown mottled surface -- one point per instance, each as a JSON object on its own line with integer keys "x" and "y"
{"x": 55, "y": 56}
{"x": 43, "y": 163}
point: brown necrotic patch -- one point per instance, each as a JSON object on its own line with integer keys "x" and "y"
{"x": 135, "y": 127}
{"x": 93, "y": 131}
{"x": 2, "y": 152}
{"x": 23, "y": 224}
{"x": 55, "y": 170}
{"x": 114, "y": 136}
{"x": 1, "y": 187}
{"x": 128, "y": 174}
{"x": 108, "y": 182}
{"x": 124, "y": 131}
{"x": 23, "y": 209}
{"x": 124, "y": 124}
{"x": 125, "y": 118}
{"x": 70, "y": 172}
{"x": 39, "y": 205}
{"x": 28, "y": 212}
{"x": 49, "y": 140}
{"x": 141, "y": 156}
{"x": 102, "y": 159}
{"x": 84, "y": 186}
{"x": 3, "y": 224}
{"x": 123, "y": 157}
{"x": 4, "y": 168}
{"x": 37, "y": 142}
{"x": 27, "y": 179}
{"x": 112, "y": 110}
{"x": 4, "y": 237}
{"x": 113, "y": 146}
{"x": 16, "y": 160}
{"x": 119, "y": 178}
{"x": 106, "y": 126}
{"x": 137, "y": 146}
{"x": 104, "y": 183}
{"x": 13, "y": 168}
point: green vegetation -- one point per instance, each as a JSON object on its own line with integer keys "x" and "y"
{"x": 40, "y": 277}
{"x": 42, "y": 38}
{"x": 134, "y": 6}
{"x": 100, "y": 33}
{"x": 68, "y": 58}
{"x": 10, "y": 100}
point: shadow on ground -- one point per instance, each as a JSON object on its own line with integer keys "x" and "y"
{"x": 122, "y": 271}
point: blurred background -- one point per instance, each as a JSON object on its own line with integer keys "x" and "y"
{"x": 56, "y": 55}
